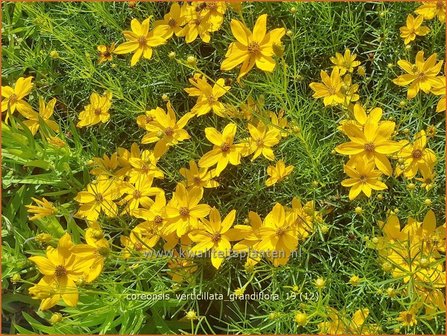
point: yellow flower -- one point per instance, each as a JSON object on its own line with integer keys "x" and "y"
{"x": 278, "y": 236}
{"x": 340, "y": 324}
{"x": 420, "y": 76}
{"x": 345, "y": 63}
{"x": 184, "y": 210}
{"x": 262, "y": 139}
{"x": 139, "y": 193}
{"x": 61, "y": 269}
{"x": 198, "y": 177}
{"x": 140, "y": 40}
{"x": 349, "y": 90}
{"x": 413, "y": 28}
{"x": 330, "y": 89}
{"x": 224, "y": 150}
{"x": 252, "y": 49}
{"x": 416, "y": 157}
{"x": 174, "y": 20}
{"x": 43, "y": 209}
{"x": 97, "y": 111}
{"x": 13, "y": 98}
{"x": 251, "y": 238}
{"x": 430, "y": 9}
{"x": 427, "y": 179}
{"x": 166, "y": 131}
{"x": 106, "y": 166}
{"x": 138, "y": 164}
{"x": 439, "y": 90}
{"x": 213, "y": 12}
{"x": 362, "y": 178}
{"x": 373, "y": 143}
{"x": 277, "y": 173}
{"x": 98, "y": 197}
{"x": 407, "y": 318}
{"x": 213, "y": 235}
{"x": 105, "y": 53}
{"x": 196, "y": 26}
{"x": 208, "y": 96}
{"x": 45, "y": 112}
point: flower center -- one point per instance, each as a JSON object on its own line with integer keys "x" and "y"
{"x": 138, "y": 246}
{"x": 142, "y": 41}
{"x": 254, "y": 48}
{"x": 225, "y": 147}
{"x": 417, "y": 154}
{"x": 136, "y": 194}
{"x": 99, "y": 198}
{"x": 98, "y": 111}
{"x": 363, "y": 178}
{"x": 106, "y": 53}
{"x": 211, "y": 100}
{"x": 60, "y": 271}
{"x": 440, "y": 5}
{"x": 408, "y": 317}
{"x": 12, "y": 99}
{"x": 149, "y": 119}
{"x": 211, "y": 6}
{"x": 216, "y": 237}
{"x": 172, "y": 23}
{"x": 184, "y": 212}
{"x": 197, "y": 180}
{"x": 280, "y": 232}
{"x": 369, "y": 147}
{"x": 158, "y": 219}
{"x": 169, "y": 131}
{"x": 259, "y": 142}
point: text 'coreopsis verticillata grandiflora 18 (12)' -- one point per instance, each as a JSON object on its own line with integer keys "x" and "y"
{"x": 252, "y": 48}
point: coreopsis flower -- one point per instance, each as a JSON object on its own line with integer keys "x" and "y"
{"x": 181, "y": 269}
{"x": 94, "y": 252}
{"x": 373, "y": 143}
{"x": 280, "y": 121}
{"x": 431, "y": 9}
{"x": 174, "y": 20}
{"x": 43, "y": 117}
{"x": 105, "y": 53}
{"x": 141, "y": 164}
{"x": 97, "y": 111}
{"x": 330, "y": 89}
{"x": 196, "y": 26}
{"x": 439, "y": 90}
{"x": 13, "y": 98}
{"x": 278, "y": 236}
{"x": 277, "y": 173}
{"x": 140, "y": 40}
{"x": 155, "y": 215}
{"x": 213, "y": 12}
{"x": 224, "y": 150}
{"x": 98, "y": 197}
{"x": 43, "y": 209}
{"x": 213, "y": 235}
{"x": 340, "y": 324}
{"x": 184, "y": 210}
{"x": 431, "y": 237}
{"x": 262, "y": 139}
{"x": 362, "y": 178}
{"x": 427, "y": 179}
{"x": 105, "y": 166}
{"x": 407, "y": 318}
{"x": 345, "y": 63}
{"x": 61, "y": 270}
{"x": 420, "y": 76}
{"x": 139, "y": 240}
{"x": 251, "y": 237}
{"x": 413, "y": 28}
{"x": 349, "y": 90}
{"x": 166, "y": 131}
{"x": 416, "y": 156}
{"x": 198, "y": 177}
{"x": 207, "y": 95}
{"x": 252, "y": 48}
{"x": 139, "y": 193}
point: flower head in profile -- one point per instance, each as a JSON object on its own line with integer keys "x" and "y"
{"x": 277, "y": 173}
{"x": 419, "y": 76}
{"x": 362, "y": 178}
{"x": 252, "y": 48}
{"x": 345, "y": 63}
{"x": 43, "y": 117}
{"x": 329, "y": 89}
{"x": 207, "y": 96}
{"x": 13, "y": 97}
{"x": 43, "y": 209}
{"x": 224, "y": 151}
{"x": 140, "y": 40}
{"x": 105, "y": 53}
{"x": 413, "y": 28}
{"x": 97, "y": 111}
{"x": 213, "y": 234}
